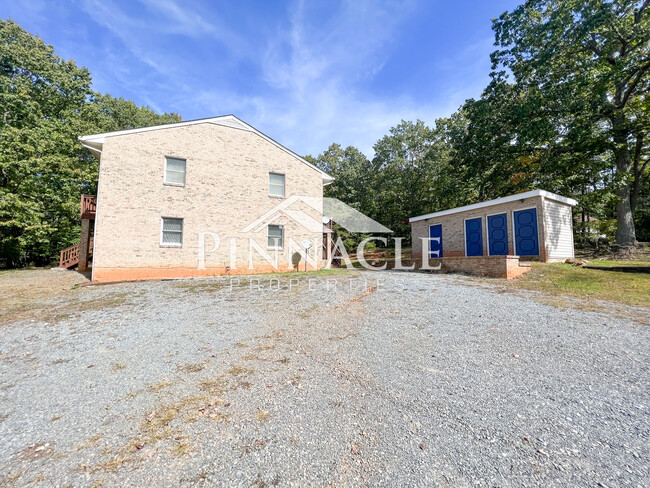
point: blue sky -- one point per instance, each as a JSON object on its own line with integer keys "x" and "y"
{"x": 307, "y": 73}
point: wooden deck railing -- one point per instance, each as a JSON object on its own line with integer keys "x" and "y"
{"x": 70, "y": 255}
{"x": 88, "y": 206}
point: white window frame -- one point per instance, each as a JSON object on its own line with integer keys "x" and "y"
{"x": 172, "y": 183}
{"x": 284, "y": 184}
{"x": 268, "y": 227}
{"x": 162, "y": 231}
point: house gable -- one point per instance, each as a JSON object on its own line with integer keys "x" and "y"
{"x": 95, "y": 142}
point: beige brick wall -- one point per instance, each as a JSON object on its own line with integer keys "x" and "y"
{"x": 453, "y": 227}
{"x": 492, "y": 266}
{"x": 226, "y": 188}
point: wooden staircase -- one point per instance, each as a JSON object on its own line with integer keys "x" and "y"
{"x": 70, "y": 256}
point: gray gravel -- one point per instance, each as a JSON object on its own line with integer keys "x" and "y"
{"x": 427, "y": 381}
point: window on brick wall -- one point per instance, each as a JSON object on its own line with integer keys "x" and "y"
{"x": 275, "y": 237}
{"x": 172, "y": 232}
{"x": 175, "y": 171}
{"x": 276, "y": 184}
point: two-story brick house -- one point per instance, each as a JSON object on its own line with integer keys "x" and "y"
{"x": 167, "y": 195}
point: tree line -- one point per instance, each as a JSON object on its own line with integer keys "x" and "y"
{"x": 46, "y": 103}
{"x": 567, "y": 109}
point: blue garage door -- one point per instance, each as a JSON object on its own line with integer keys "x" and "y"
{"x": 435, "y": 246}
{"x": 474, "y": 237}
{"x": 526, "y": 243}
{"x": 497, "y": 234}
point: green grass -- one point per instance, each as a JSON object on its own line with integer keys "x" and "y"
{"x": 610, "y": 263}
{"x": 14, "y": 270}
{"x": 300, "y": 274}
{"x": 246, "y": 278}
{"x": 216, "y": 283}
{"x": 561, "y": 279}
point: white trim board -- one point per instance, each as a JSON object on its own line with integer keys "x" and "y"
{"x": 94, "y": 142}
{"x": 497, "y": 201}
{"x": 162, "y": 231}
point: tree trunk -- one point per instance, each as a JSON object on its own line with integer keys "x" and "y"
{"x": 625, "y": 232}
{"x": 638, "y": 171}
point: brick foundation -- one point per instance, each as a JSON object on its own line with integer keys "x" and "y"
{"x": 106, "y": 275}
{"x": 491, "y": 266}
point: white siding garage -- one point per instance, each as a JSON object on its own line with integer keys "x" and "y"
{"x": 558, "y": 225}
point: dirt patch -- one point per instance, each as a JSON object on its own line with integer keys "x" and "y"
{"x": 636, "y": 253}
{"x": 37, "y": 451}
{"x": 369, "y": 291}
{"x": 29, "y": 293}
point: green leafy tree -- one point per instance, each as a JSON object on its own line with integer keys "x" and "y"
{"x": 567, "y": 110}
{"x": 588, "y": 62}
{"x": 41, "y": 166}
{"x": 107, "y": 113}
{"x": 508, "y": 142}
{"x": 354, "y": 179}
{"x": 409, "y": 162}
{"x": 353, "y": 176}
{"x": 46, "y": 103}
{"x": 404, "y": 178}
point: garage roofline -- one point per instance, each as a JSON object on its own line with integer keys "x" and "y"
{"x": 497, "y": 201}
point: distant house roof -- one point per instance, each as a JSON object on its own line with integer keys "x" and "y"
{"x": 95, "y": 142}
{"x": 497, "y": 201}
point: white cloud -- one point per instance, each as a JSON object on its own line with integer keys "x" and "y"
{"x": 142, "y": 35}
{"x": 313, "y": 70}
{"x": 189, "y": 19}
{"x": 317, "y": 70}
{"x": 345, "y": 48}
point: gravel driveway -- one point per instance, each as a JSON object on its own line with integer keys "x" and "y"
{"x": 412, "y": 380}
